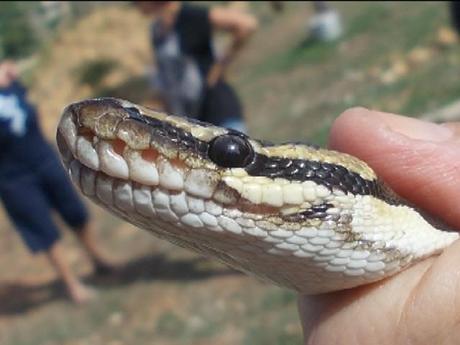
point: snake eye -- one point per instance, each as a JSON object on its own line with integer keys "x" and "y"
{"x": 230, "y": 151}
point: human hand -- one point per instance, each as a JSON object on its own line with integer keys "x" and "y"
{"x": 11, "y": 70}
{"x": 421, "y": 305}
{"x": 8, "y": 73}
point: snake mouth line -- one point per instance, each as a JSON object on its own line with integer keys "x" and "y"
{"x": 112, "y": 143}
{"x": 122, "y": 164}
{"x": 129, "y": 159}
{"x": 143, "y": 184}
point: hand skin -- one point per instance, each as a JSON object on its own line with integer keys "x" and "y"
{"x": 421, "y": 305}
{"x": 241, "y": 26}
{"x": 8, "y": 73}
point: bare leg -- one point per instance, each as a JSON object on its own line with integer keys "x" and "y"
{"x": 86, "y": 237}
{"x": 325, "y": 24}
{"x": 78, "y": 292}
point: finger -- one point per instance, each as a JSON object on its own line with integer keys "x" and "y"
{"x": 418, "y": 159}
{"x": 343, "y": 317}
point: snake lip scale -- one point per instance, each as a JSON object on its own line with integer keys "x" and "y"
{"x": 301, "y": 217}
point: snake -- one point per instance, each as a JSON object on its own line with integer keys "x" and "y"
{"x": 296, "y": 215}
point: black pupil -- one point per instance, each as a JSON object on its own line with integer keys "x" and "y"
{"x": 230, "y": 151}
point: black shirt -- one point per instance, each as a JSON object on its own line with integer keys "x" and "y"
{"x": 194, "y": 32}
{"x": 195, "y": 35}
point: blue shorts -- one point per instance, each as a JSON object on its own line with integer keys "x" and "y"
{"x": 29, "y": 200}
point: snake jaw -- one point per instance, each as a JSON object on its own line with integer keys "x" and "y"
{"x": 308, "y": 219}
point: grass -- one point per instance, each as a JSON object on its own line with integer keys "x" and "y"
{"x": 170, "y": 325}
{"x": 292, "y": 89}
{"x": 66, "y": 325}
{"x": 93, "y": 73}
{"x": 281, "y": 328}
{"x": 330, "y": 77}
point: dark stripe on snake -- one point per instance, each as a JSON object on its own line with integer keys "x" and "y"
{"x": 331, "y": 176}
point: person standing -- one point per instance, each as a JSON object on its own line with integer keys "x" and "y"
{"x": 33, "y": 183}
{"x": 190, "y": 76}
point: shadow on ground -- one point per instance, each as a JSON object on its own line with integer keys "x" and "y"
{"x": 17, "y": 298}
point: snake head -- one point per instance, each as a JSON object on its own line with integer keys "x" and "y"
{"x": 303, "y": 217}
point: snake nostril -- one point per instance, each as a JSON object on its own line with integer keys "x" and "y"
{"x": 85, "y": 132}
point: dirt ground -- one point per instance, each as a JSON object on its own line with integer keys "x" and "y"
{"x": 397, "y": 57}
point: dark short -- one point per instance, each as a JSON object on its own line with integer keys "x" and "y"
{"x": 221, "y": 105}
{"x": 29, "y": 200}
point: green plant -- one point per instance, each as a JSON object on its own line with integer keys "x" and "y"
{"x": 17, "y": 36}
{"x": 94, "y": 72}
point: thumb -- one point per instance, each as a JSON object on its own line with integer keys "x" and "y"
{"x": 420, "y": 160}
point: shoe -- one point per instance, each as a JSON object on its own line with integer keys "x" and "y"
{"x": 326, "y": 26}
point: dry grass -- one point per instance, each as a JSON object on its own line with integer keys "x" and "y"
{"x": 391, "y": 58}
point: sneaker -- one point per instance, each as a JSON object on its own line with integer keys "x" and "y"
{"x": 326, "y": 26}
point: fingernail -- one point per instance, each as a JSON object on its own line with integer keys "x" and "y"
{"x": 417, "y": 129}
